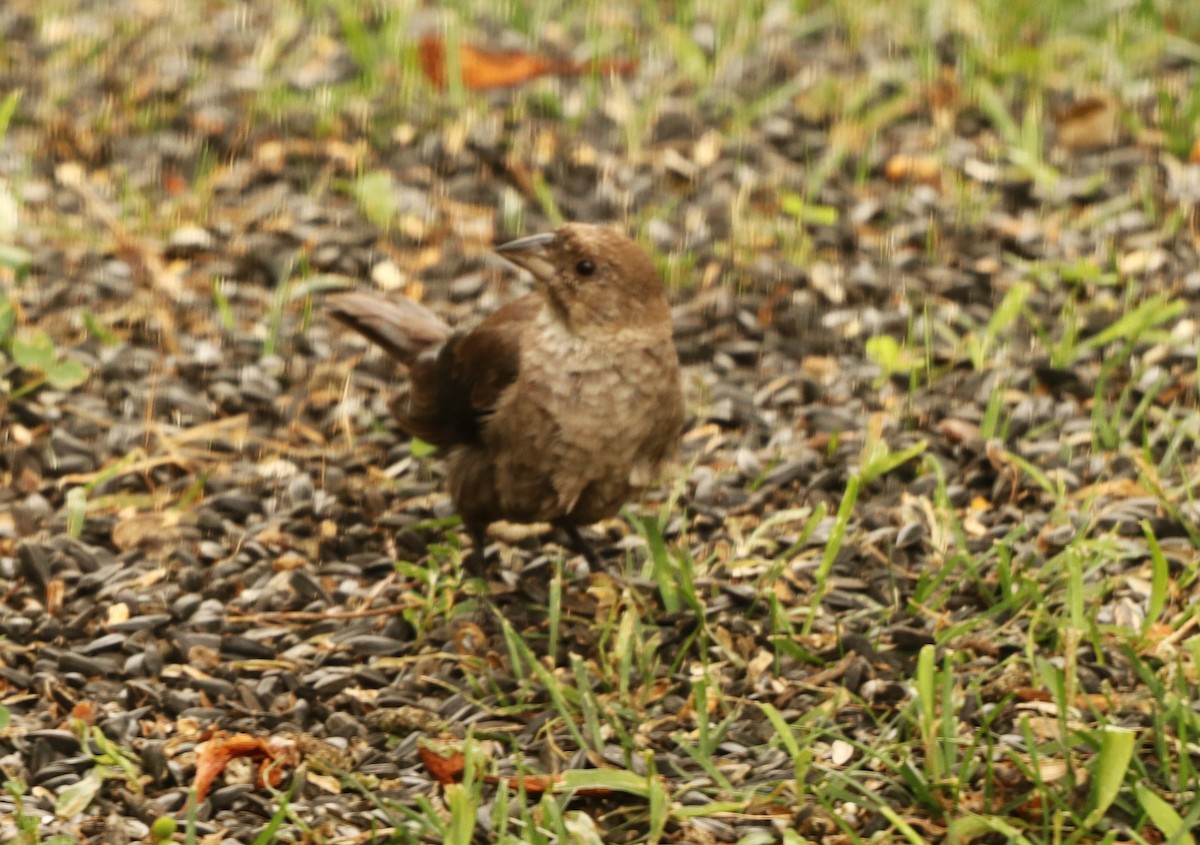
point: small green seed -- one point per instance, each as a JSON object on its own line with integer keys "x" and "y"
{"x": 163, "y": 829}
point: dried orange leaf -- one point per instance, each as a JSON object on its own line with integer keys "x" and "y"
{"x": 980, "y": 504}
{"x": 534, "y": 784}
{"x": 484, "y": 69}
{"x": 443, "y": 760}
{"x": 214, "y": 755}
{"x": 914, "y": 168}
{"x": 85, "y": 710}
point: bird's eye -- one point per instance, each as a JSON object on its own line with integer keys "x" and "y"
{"x": 585, "y": 267}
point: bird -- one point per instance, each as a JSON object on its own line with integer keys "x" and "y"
{"x": 561, "y": 406}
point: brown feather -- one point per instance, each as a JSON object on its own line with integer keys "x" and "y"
{"x": 402, "y": 327}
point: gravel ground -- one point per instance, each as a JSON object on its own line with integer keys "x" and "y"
{"x": 220, "y": 531}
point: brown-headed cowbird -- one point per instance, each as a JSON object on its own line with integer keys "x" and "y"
{"x": 562, "y": 405}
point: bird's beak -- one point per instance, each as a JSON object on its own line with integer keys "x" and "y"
{"x": 531, "y": 253}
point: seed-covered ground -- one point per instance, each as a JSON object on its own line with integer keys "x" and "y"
{"x": 926, "y": 568}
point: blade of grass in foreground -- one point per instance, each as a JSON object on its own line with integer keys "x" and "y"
{"x": 1108, "y": 770}
{"x": 836, "y": 537}
{"x": 674, "y": 570}
{"x": 801, "y": 757}
{"x": 267, "y": 835}
{"x": 971, "y": 827}
{"x": 664, "y": 572}
{"x": 1163, "y": 816}
{"x": 520, "y": 652}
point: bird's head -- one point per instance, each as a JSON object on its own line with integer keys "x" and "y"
{"x": 593, "y": 277}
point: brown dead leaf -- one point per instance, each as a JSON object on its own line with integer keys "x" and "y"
{"x": 443, "y": 759}
{"x": 289, "y": 561}
{"x": 214, "y": 755}
{"x": 174, "y": 183}
{"x": 944, "y": 94}
{"x": 537, "y": 784}
{"x": 924, "y": 169}
{"x": 1120, "y": 488}
{"x": 1045, "y": 727}
{"x": 777, "y": 297}
{"x": 271, "y": 156}
{"x": 470, "y": 639}
{"x": 1088, "y": 124}
{"x": 1158, "y": 631}
{"x": 484, "y": 69}
{"x": 28, "y": 480}
{"x": 958, "y": 431}
{"x": 56, "y": 593}
{"x": 758, "y": 665}
{"x": 146, "y": 531}
{"x": 84, "y": 710}
{"x": 1152, "y": 835}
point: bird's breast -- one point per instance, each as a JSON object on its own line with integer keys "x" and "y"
{"x": 585, "y": 423}
{"x": 594, "y": 390}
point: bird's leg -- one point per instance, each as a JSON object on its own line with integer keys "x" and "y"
{"x": 580, "y": 544}
{"x": 476, "y": 560}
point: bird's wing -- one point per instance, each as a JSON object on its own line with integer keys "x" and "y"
{"x": 453, "y": 393}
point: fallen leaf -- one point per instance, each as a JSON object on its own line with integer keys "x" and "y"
{"x": 944, "y": 94}
{"x": 85, "y": 711}
{"x": 174, "y": 183}
{"x": 56, "y": 593}
{"x": 1088, "y": 124}
{"x": 536, "y": 784}
{"x": 470, "y": 639}
{"x": 961, "y": 431}
{"x": 1158, "y": 631}
{"x": 75, "y": 798}
{"x": 214, "y": 755}
{"x": 914, "y": 168}
{"x": 443, "y": 760}
{"x": 1120, "y": 488}
{"x": 146, "y": 531}
{"x": 757, "y": 666}
{"x": 328, "y": 783}
{"x": 483, "y": 69}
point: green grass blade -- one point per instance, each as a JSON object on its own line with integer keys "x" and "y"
{"x": 1108, "y": 770}
{"x": 1163, "y": 815}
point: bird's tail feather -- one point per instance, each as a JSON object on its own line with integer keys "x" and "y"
{"x": 402, "y": 327}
